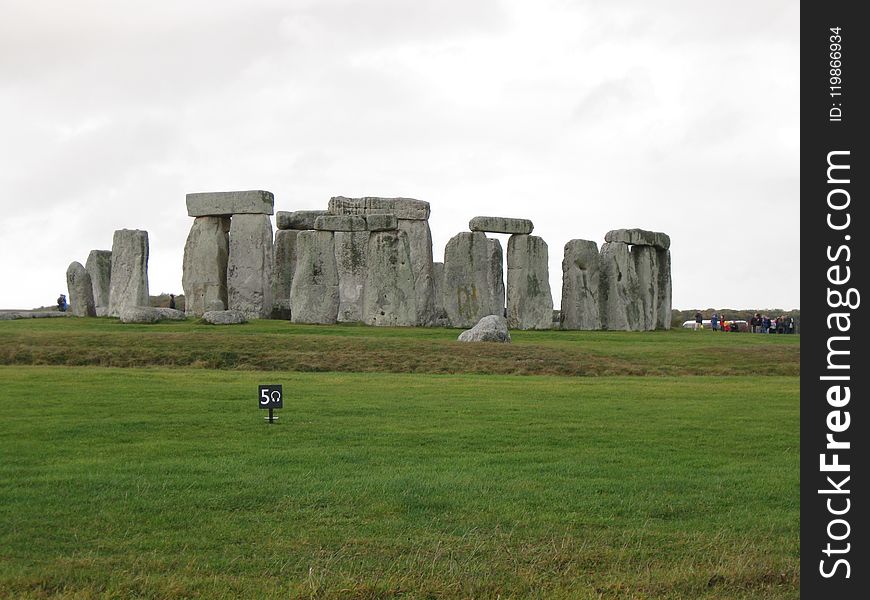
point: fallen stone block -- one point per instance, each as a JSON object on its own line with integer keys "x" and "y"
{"x": 501, "y": 225}
{"x": 298, "y": 219}
{"x": 402, "y": 208}
{"x": 224, "y": 317}
{"x": 492, "y": 328}
{"x": 213, "y": 204}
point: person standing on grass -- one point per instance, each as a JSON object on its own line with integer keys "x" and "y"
{"x": 699, "y": 321}
{"x": 61, "y": 303}
{"x": 171, "y": 300}
{"x": 714, "y": 322}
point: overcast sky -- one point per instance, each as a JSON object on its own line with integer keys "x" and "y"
{"x": 582, "y": 116}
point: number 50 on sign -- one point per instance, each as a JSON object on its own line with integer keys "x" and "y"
{"x": 271, "y": 396}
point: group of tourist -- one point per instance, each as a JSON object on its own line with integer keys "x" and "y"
{"x": 757, "y": 324}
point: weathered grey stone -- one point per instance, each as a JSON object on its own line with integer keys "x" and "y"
{"x": 249, "y": 265}
{"x": 438, "y": 284}
{"x": 618, "y": 297}
{"x": 12, "y": 315}
{"x": 139, "y": 314}
{"x": 99, "y": 267}
{"x": 639, "y": 237}
{"x": 501, "y": 225}
{"x": 389, "y": 298}
{"x": 495, "y": 276}
{"x": 340, "y": 223}
{"x": 81, "y": 291}
{"x": 580, "y": 279}
{"x": 466, "y": 294}
{"x": 102, "y": 311}
{"x": 224, "y": 317}
{"x": 403, "y": 208}
{"x": 204, "y": 272}
{"x": 663, "y": 310}
{"x": 492, "y": 328}
{"x": 129, "y": 284}
{"x": 647, "y": 269}
{"x": 298, "y": 219}
{"x": 282, "y": 272}
{"x": 351, "y": 252}
{"x": 314, "y": 294}
{"x": 420, "y": 249}
{"x": 212, "y": 204}
{"x": 382, "y": 222}
{"x": 529, "y": 300}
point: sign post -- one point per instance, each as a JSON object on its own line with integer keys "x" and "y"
{"x": 270, "y": 397}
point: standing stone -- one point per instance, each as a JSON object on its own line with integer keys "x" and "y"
{"x": 314, "y": 294}
{"x": 529, "y": 300}
{"x": 351, "y": 251}
{"x": 663, "y": 310}
{"x": 129, "y": 284}
{"x": 438, "y": 281}
{"x": 580, "y": 270}
{"x": 647, "y": 269}
{"x": 618, "y": 289}
{"x": 282, "y": 272}
{"x": 99, "y": 267}
{"x": 249, "y": 266}
{"x": 389, "y": 295}
{"x": 81, "y": 291}
{"x": 466, "y": 294}
{"x": 495, "y": 276}
{"x": 420, "y": 247}
{"x": 204, "y": 272}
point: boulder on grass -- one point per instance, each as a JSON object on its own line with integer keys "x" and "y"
{"x": 492, "y": 328}
{"x": 224, "y": 317}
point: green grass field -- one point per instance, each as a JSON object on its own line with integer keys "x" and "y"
{"x": 391, "y": 476}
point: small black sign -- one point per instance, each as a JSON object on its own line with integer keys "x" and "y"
{"x": 270, "y": 396}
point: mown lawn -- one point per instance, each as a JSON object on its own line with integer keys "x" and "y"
{"x": 283, "y": 346}
{"x": 166, "y": 482}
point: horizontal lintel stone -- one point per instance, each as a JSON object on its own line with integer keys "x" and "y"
{"x": 402, "y": 208}
{"x": 340, "y": 223}
{"x": 501, "y": 225}
{"x": 639, "y": 237}
{"x": 298, "y": 219}
{"x": 214, "y": 204}
{"x": 381, "y": 222}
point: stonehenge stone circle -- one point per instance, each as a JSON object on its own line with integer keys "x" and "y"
{"x": 389, "y": 295}
{"x": 129, "y": 284}
{"x": 81, "y": 291}
{"x": 580, "y": 279}
{"x": 204, "y": 271}
{"x": 492, "y": 328}
{"x": 299, "y": 219}
{"x": 99, "y": 266}
{"x": 466, "y": 294}
{"x": 211, "y": 204}
{"x": 249, "y": 265}
{"x": 500, "y": 225}
{"x": 351, "y": 263}
{"x": 529, "y": 300}
{"x": 283, "y": 268}
{"x": 314, "y": 293}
